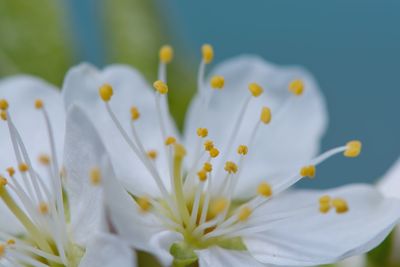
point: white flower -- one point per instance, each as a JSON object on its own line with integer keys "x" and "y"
{"x": 34, "y": 226}
{"x": 223, "y": 203}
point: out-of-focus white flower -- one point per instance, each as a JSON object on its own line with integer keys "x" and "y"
{"x": 219, "y": 198}
{"x": 34, "y": 226}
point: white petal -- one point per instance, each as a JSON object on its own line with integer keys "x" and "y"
{"x": 390, "y": 183}
{"x": 356, "y": 261}
{"x": 108, "y": 251}
{"x": 219, "y": 257}
{"x": 161, "y": 243}
{"x": 83, "y": 151}
{"x": 21, "y": 93}
{"x": 312, "y": 238}
{"x": 279, "y": 147}
{"x": 130, "y": 89}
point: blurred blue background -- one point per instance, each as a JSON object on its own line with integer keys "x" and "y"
{"x": 352, "y": 48}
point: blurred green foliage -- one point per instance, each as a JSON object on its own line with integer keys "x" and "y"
{"x": 34, "y": 39}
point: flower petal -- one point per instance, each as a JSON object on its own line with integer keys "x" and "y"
{"x": 278, "y": 148}
{"x": 108, "y": 251}
{"x": 308, "y": 237}
{"x": 219, "y": 257}
{"x": 81, "y": 86}
{"x": 21, "y": 93}
{"x": 83, "y": 152}
{"x": 390, "y": 183}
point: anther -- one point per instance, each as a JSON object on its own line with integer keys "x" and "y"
{"x": 106, "y": 92}
{"x": 353, "y": 149}
{"x": 43, "y": 208}
{"x": 208, "y": 145}
{"x": 152, "y": 154}
{"x": 3, "y": 115}
{"x": 95, "y": 176}
{"x": 264, "y": 189}
{"x": 202, "y": 175}
{"x": 244, "y": 213}
{"x": 255, "y": 89}
{"x": 10, "y": 242}
{"x": 144, "y": 204}
{"x": 2, "y": 250}
{"x": 11, "y": 171}
{"x": 340, "y": 205}
{"x": 161, "y": 87}
{"x": 23, "y": 167}
{"x": 230, "y": 167}
{"x": 135, "y": 114}
{"x": 38, "y": 103}
{"x": 3, "y": 181}
{"x": 208, "y": 53}
{"x": 180, "y": 151}
{"x": 324, "y": 207}
{"x": 218, "y": 206}
{"x": 242, "y": 150}
{"x": 308, "y": 171}
{"x": 266, "y": 115}
{"x": 166, "y": 54}
{"x": 207, "y": 167}
{"x": 296, "y": 87}
{"x": 214, "y": 152}
{"x": 44, "y": 159}
{"x": 3, "y": 104}
{"x": 170, "y": 140}
{"x": 217, "y": 82}
{"x": 202, "y": 132}
{"x": 325, "y": 199}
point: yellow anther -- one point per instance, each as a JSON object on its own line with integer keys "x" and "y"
{"x": 214, "y": 152}
{"x": 255, "y": 89}
{"x": 202, "y": 132}
{"x": 2, "y": 250}
{"x": 296, "y": 87}
{"x": 244, "y": 213}
{"x": 266, "y": 115}
{"x": 230, "y": 167}
{"x": 38, "y": 103}
{"x": 144, "y": 204}
{"x": 170, "y": 140}
{"x": 208, "y": 145}
{"x": 207, "y": 167}
{"x": 202, "y": 175}
{"x": 166, "y": 54}
{"x": 218, "y": 206}
{"x": 11, "y": 171}
{"x": 3, "y": 104}
{"x": 208, "y": 53}
{"x": 10, "y": 242}
{"x": 152, "y": 154}
{"x": 340, "y": 205}
{"x": 308, "y": 171}
{"x": 95, "y": 176}
{"x": 43, "y": 208}
{"x": 3, "y": 181}
{"x": 3, "y": 115}
{"x": 161, "y": 87}
{"x": 135, "y": 114}
{"x": 44, "y": 159}
{"x": 180, "y": 151}
{"x": 324, "y": 207}
{"x": 106, "y": 92}
{"x": 325, "y": 199}
{"x": 23, "y": 167}
{"x": 217, "y": 82}
{"x": 242, "y": 150}
{"x": 353, "y": 149}
{"x": 264, "y": 189}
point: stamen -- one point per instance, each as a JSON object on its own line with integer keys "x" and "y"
{"x": 244, "y": 213}
{"x": 202, "y": 175}
{"x": 170, "y": 140}
{"x": 208, "y": 145}
{"x": 208, "y": 53}
{"x": 152, "y": 154}
{"x": 23, "y": 167}
{"x": 166, "y": 54}
{"x": 324, "y": 207}
{"x": 214, "y": 152}
{"x": 242, "y": 150}
{"x": 95, "y": 176}
{"x": 325, "y": 199}
{"x": 179, "y": 154}
{"x": 106, "y": 92}
{"x": 160, "y": 87}
{"x": 38, "y": 104}
{"x": 217, "y": 82}
{"x": 218, "y": 206}
{"x": 3, "y": 115}
{"x": 230, "y": 167}
{"x": 2, "y": 250}
{"x": 135, "y": 114}
{"x": 207, "y": 167}
{"x": 202, "y": 132}
{"x": 296, "y": 87}
{"x": 43, "y": 208}
{"x": 264, "y": 189}
{"x": 3, "y": 182}
{"x": 11, "y": 171}
{"x": 266, "y": 115}
{"x": 44, "y": 159}
{"x": 353, "y": 149}
{"x": 3, "y": 104}
{"x": 340, "y": 205}
{"x": 255, "y": 89}
{"x": 308, "y": 171}
{"x": 144, "y": 204}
